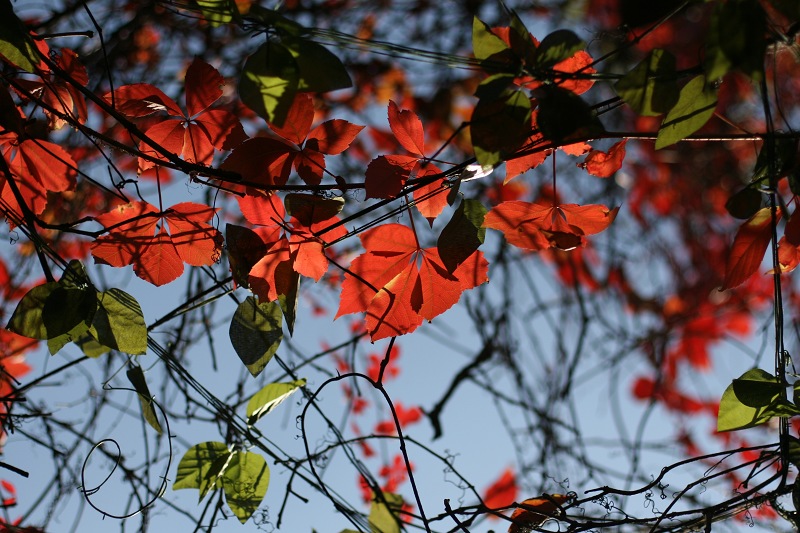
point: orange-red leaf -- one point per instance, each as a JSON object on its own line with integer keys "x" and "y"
{"x": 203, "y": 86}
{"x": 431, "y": 199}
{"x": 332, "y": 137}
{"x": 748, "y": 248}
{"x": 142, "y": 99}
{"x": 261, "y": 161}
{"x": 536, "y": 226}
{"x": 407, "y": 128}
{"x": 535, "y": 512}
{"x": 503, "y": 492}
{"x": 605, "y": 164}
{"x": 398, "y": 284}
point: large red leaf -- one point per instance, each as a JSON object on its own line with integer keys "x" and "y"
{"x": 203, "y": 86}
{"x": 536, "y": 226}
{"x": 407, "y": 128}
{"x": 157, "y": 256}
{"x": 748, "y": 247}
{"x": 398, "y": 284}
{"x": 332, "y": 137}
{"x": 386, "y": 175}
{"x": 261, "y": 161}
{"x": 142, "y": 99}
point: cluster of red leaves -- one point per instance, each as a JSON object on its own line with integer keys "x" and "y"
{"x": 290, "y": 245}
{"x": 137, "y": 235}
{"x": 398, "y": 284}
{"x": 269, "y": 161}
{"x": 193, "y": 134}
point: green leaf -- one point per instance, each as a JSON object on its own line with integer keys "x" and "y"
{"x": 269, "y": 81}
{"x": 89, "y": 345}
{"x": 781, "y": 160}
{"x": 201, "y": 466}
{"x": 736, "y": 39}
{"x": 27, "y": 317}
{"x": 794, "y": 451}
{"x": 65, "y": 309}
{"x": 217, "y": 12}
{"x": 288, "y": 301}
{"x": 564, "y": 117}
{"x": 501, "y": 120}
{"x": 650, "y": 88}
{"x": 245, "y": 482}
{"x": 696, "y": 104}
{"x": 119, "y": 322}
{"x": 136, "y": 377}
{"x": 463, "y": 234}
{"x": 556, "y": 47}
{"x": 753, "y": 399}
{"x": 320, "y": 70}
{"x": 310, "y": 208}
{"x": 268, "y": 398}
{"x": 256, "y": 332}
{"x": 383, "y": 513}
{"x": 486, "y": 46}
{"x": 16, "y": 44}
{"x": 75, "y": 276}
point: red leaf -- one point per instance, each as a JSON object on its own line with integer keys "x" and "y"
{"x": 159, "y": 262}
{"x": 789, "y": 245}
{"x": 748, "y": 247}
{"x": 602, "y": 164}
{"x": 398, "y": 284}
{"x": 503, "y": 492}
{"x": 386, "y": 175}
{"x": 407, "y": 128}
{"x": 333, "y": 136}
{"x": 197, "y": 243}
{"x": 261, "y": 161}
{"x": 430, "y": 199}
{"x": 142, "y": 99}
{"x": 203, "y": 86}
{"x": 535, "y": 512}
{"x": 298, "y": 121}
{"x": 536, "y": 226}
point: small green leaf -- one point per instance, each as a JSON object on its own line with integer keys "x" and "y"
{"x": 736, "y": 39}
{"x": 27, "y": 317}
{"x": 256, "y": 333}
{"x": 556, "y": 47}
{"x": 269, "y": 81}
{"x": 383, "y": 513}
{"x": 487, "y": 46}
{"x": 288, "y": 301}
{"x": 217, "y": 12}
{"x": 463, "y": 234}
{"x": 650, "y": 88}
{"x": 201, "y": 466}
{"x": 310, "y": 208}
{"x": 696, "y": 104}
{"x": 136, "y": 377}
{"x": 320, "y": 70}
{"x": 245, "y": 482}
{"x": 268, "y": 398}
{"x": 119, "y": 322}
{"x": 16, "y": 44}
{"x": 753, "y": 399}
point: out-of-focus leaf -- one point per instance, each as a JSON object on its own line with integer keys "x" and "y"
{"x": 736, "y": 39}
{"x": 383, "y": 516}
{"x": 16, "y": 44}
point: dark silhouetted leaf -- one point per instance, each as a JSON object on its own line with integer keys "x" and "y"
{"x": 268, "y": 398}
{"x": 462, "y": 235}
{"x": 136, "y": 377}
{"x": 256, "y": 333}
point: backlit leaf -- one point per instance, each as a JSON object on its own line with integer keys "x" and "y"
{"x": 269, "y": 397}
{"x": 534, "y": 512}
{"x": 256, "y": 333}
{"x": 650, "y": 88}
{"x": 736, "y": 39}
{"x": 16, "y": 44}
{"x": 605, "y": 164}
{"x": 463, "y": 234}
{"x": 245, "y": 482}
{"x": 696, "y": 104}
{"x": 556, "y": 47}
{"x": 753, "y": 399}
{"x": 269, "y": 80}
{"x": 119, "y": 323}
{"x": 200, "y": 467}
{"x": 383, "y": 513}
